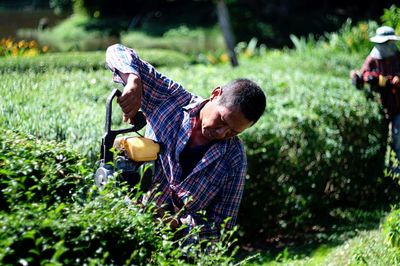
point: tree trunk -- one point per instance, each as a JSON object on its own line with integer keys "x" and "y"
{"x": 223, "y": 17}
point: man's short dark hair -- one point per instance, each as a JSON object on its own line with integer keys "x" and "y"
{"x": 247, "y": 95}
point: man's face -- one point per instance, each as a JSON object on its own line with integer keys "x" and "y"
{"x": 219, "y": 122}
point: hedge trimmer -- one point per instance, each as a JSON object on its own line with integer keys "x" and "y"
{"x": 374, "y": 81}
{"x": 125, "y": 154}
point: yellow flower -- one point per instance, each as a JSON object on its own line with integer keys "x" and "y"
{"x": 363, "y": 27}
{"x": 31, "y": 53}
{"x": 15, "y": 51}
{"x": 349, "y": 41}
{"x": 9, "y": 43}
{"x": 224, "y": 58}
{"x": 21, "y": 44}
{"x": 248, "y": 53}
{"x": 32, "y": 44}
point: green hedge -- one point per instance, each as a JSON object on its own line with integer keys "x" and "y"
{"x": 87, "y": 61}
{"x": 314, "y": 150}
{"x": 319, "y": 145}
{"x": 33, "y": 170}
{"x": 50, "y": 213}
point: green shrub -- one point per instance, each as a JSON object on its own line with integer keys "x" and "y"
{"x": 349, "y": 38}
{"x": 391, "y": 228}
{"x": 37, "y": 171}
{"x": 86, "y": 61}
{"x": 191, "y": 42}
{"x": 352, "y": 39}
{"x": 391, "y": 17}
{"x": 104, "y": 231}
{"x": 51, "y": 213}
{"x": 314, "y": 150}
{"x": 72, "y": 35}
{"x": 319, "y": 145}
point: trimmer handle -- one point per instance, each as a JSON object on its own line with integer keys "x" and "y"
{"x": 139, "y": 121}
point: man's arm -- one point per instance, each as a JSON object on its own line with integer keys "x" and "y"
{"x": 131, "y": 98}
{"x": 372, "y": 75}
{"x": 145, "y": 87}
{"x": 369, "y": 69}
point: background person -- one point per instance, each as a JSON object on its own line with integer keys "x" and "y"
{"x": 381, "y": 69}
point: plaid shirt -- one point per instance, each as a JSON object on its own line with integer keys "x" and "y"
{"x": 213, "y": 190}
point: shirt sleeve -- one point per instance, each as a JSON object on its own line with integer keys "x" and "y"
{"x": 156, "y": 87}
{"x": 369, "y": 69}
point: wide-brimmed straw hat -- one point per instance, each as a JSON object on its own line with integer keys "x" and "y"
{"x": 384, "y": 34}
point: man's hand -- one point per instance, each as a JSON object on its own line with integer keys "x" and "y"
{"x": 131, "y": 98}
{"x": 396, "y": 81}
{"x": 168, "y": 219}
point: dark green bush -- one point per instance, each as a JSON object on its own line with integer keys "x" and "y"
{"x": 37, "y": 171}
{"x": 105, "y": 231}
{"x": 313, "y": 151}
{"x": 50, "y": 213}
{"x": 87, "y": 61}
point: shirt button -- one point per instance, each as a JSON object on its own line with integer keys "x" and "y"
{"x": 203, "y": 160}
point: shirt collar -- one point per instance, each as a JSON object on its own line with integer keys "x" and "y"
{"x": 195, "y": 105}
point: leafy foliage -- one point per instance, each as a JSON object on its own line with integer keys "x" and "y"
{"x": 349, "y": 38}
{"x": 36, "y": 171}
{"x": 320, "y": 144}
{"x": 86, "y": 61}
{"x": 314, "y": 150}
{"x": 391, "y": 228}
{"x": 191, "y": 42}
{"x": 391, "y": 17}
{"x": 50, "y": 213}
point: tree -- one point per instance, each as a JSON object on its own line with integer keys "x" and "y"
{"x": 224, "y": 21}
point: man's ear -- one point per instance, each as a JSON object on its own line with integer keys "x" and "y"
{"x": 216, "y": 93}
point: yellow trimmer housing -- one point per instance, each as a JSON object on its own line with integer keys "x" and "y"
{"x": 138, "y": 149}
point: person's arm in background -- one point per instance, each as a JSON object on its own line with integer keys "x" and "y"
{"x": 372, "y": 75}
{"x": 145, "y": 87}
{"x": 369, "y": 71}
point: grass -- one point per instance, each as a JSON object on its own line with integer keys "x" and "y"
{"x": 359, "y": 241}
